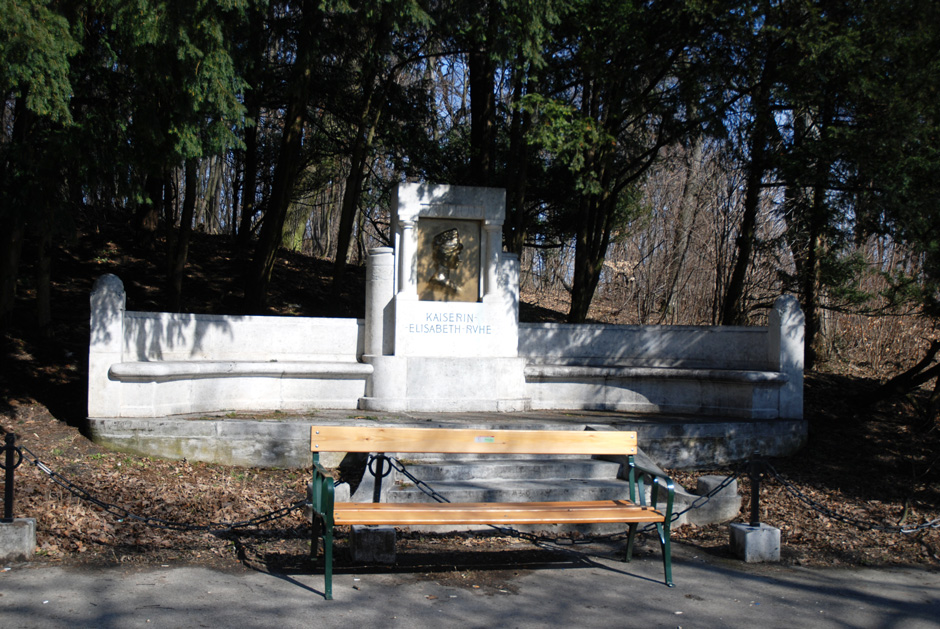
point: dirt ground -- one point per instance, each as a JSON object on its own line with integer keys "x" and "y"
{"x": 866, "y": 467}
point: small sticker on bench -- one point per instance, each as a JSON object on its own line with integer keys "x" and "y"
{"x": 485, "y": 439}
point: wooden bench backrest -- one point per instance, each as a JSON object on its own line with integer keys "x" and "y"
{"x": 469, "y": 441}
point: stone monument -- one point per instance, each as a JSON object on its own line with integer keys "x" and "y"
{"x": 442, "y": 306}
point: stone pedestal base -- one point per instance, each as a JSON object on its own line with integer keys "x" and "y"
{"x": 18, "y": 539}
{"x": 755, "y": 544}
{"x": 453, "y": 385}
{"x": 372, "y": 544}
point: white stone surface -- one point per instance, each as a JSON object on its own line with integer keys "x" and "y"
{"x": 163, "y": 336}
{"x": 486, "y": 328}
{"x": 755, "y": 544}
{"x": 414, "y": 355}
{"x": 105, "y": 345}
{"x": 646, "y": 346}
{"x": 447, "y": 384}
{"x": 785, "y": 352}
{"x": 153, "y": 364}
{"x": 380, "y": 291}
{"x": 438, "y": 328}
{"x": 415, "y": 200}
{"x": 722, "y": 371}
{"x": 17, "y": 539}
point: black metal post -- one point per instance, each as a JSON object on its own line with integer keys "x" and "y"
{"x": 754, "y": 470}
{"x": 9, "y": 448}
{"x": 378, "y": 473}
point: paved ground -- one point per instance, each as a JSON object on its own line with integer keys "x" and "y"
{"x": 710, "y": 592}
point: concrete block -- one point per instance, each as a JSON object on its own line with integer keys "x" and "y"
{"x": 755, "y": 544}
{"x": 17, "y": 539}
{"x": 724, "y": 506}
{"x": 373, "y": 544}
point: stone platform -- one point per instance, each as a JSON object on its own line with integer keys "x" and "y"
{"x": 282, "y": 439}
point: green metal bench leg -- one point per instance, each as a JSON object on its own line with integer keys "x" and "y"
{"x": 328, "y": 563}
{"x": 663, "y": 531}
{"x": 628, "y": 555}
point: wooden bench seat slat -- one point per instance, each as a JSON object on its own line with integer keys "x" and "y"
{"x": 361, "y": 506}
{"x": 470, "y": 441}
{"x": 347, "y": 513}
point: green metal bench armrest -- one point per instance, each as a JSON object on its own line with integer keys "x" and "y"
{"x": 323, "y": 492}
{"x": 658, "y": 479}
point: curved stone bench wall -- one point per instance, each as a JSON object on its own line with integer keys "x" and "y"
{"x": 747, "y": 372}
{"x": 154, "y": 364}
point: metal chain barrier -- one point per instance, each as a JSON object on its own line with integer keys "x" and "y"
{"x": 834, "y": 515}
{"x": 558, "y": 541}
{"x": 8, "y": 453}
{"x": 438, "y": 497}
{"x": 702, "y": 500}
{"x": 121, "y": 512}
{"x": 216, "y": 527}
{"x": 697, "y": 503}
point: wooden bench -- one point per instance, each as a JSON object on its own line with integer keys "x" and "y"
{"x": 632, "y": 510}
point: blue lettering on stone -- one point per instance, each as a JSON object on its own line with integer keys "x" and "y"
{"x": 450, "y": 323}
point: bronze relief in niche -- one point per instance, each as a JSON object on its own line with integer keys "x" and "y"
{"x": 448, "y": 260}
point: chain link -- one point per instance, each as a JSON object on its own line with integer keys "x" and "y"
{"x": 437, "y": 496}
{"x": 424, "y": 487}
{"x": 122, "y": 513}
{"x": 835, "y": 515}
{"x": 696, "y": 504}
{"x": 702, "y": 500}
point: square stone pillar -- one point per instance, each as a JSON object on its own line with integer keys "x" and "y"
{"x": 106, "y": 344}
{"x": 785, "y": 352}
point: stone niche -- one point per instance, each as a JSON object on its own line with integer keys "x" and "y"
{"x": 442, "y": 306}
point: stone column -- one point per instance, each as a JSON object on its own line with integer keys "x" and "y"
{"x": 509, "y": 282}
{"x": 105, "y": 346}
{"x": 493, "y": 234}
{"x": 408, "y": 273}
{"x": 785, "y": 352}
{"x": 380, "y": 283}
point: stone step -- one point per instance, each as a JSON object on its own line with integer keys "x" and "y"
{"x": 514, "y": 469}
{"x": 530, "y": 490}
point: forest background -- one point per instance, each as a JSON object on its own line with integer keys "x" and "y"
{"x": 665, "y": 162}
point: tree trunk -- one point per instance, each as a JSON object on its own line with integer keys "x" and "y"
{"x": 910, "y": 379}
{"x": 353, "y": 192}
{"x": 44, "y": 227}
{"x": 179, "y": 251}
{"x": 250, "y": 181}
{"x": 211, "y": 202}
{"x": 818, "y": 247}
{"x": 514, "y": 228}
{"x": 253, "y": 112}
{"x": 597, "y": 213}
{"x": 483, "y": 103}
{"x": 147, "y": 216}
{"x": 591, "y": 244}
{"x": 368, "y": 119}
{"x": 733, "y": 311}
{"x": 13, "y": 231}
{"x": 11, "y": 248}
{"x": 285, "y": 172}
{"x": 682, "y": 230}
